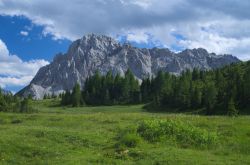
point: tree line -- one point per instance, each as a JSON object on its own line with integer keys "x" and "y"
{"x": 220, "y": 91}
{"x": 105, "y": 90}
{"x": 11, "y": 103}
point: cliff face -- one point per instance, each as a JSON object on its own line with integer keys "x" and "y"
{"x": 102, "y": 53}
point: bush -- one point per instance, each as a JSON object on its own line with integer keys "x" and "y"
{"x": 184, "y": 134}
{"x": 16, "y": 121}
{"x": 130, "y": 140}
{"x": 127, "y": 138}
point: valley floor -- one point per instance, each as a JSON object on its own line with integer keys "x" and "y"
{"x": 87, "y": 135}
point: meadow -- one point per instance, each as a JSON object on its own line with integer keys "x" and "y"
{"x": 121, "y": 135}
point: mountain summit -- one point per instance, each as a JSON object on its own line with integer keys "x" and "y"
{"x": 98, "y": 52}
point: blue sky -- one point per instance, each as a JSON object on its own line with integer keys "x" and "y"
{"x": 26, "y": 40}
{"x": 32, "y": 32}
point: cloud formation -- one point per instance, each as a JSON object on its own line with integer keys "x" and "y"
{"x": 221, "y": 26}
{"x": 14, "y": 72}
{"x": 24, "y": 33}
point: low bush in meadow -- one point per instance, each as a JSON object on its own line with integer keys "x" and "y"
{"x": 184, "y": 134}
{"x": 127, "y": 138}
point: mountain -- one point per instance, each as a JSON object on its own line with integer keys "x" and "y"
{"x": 97, "y": 52}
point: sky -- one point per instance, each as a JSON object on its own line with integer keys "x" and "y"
{"x": 32, "y": 32}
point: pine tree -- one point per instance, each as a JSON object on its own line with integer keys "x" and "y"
{"x": 26, "y": 106}
{"x": 145, "y": 89}
{"x": 184, "y": 95}
{"x": 45, "y": 97}
{"x": 66, "y": 98}
{"x": 117, "y": 89}
{"x": 246, "y": 88}
{"x": 221, "y": 85}
{"x": 195, "y": 74}
{"x": 196, "y": 97}
{"x": 126, "y": 87}
{"x": 210, "y": 96}
{"x": 76, "y": 96}
{"x": 3, "y": 103}
{"x": 231, "y": 110}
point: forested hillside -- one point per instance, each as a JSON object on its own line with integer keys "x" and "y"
{"x": 221, "y": 91}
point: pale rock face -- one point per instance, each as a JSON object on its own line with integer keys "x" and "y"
{"x": 97, "y": 52}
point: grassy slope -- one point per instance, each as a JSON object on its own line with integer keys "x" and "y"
{"x": 86, "y": 135}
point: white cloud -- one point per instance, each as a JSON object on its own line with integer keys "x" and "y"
{"x": 215, "y": 25}
{"x": 24, "y": 33}
{"x": 3, "y": 50}
{"x": 14, "y": 71}
{"x": 14, "y": 81}
{"x": 139, "y": 37}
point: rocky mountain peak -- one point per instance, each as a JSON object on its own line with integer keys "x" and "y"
{"x": 98, "y": 52}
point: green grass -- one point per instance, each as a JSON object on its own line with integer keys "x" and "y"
{"x": 109, "y": 135}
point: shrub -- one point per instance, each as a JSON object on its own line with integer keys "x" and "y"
{"x": 130, "y": 140}
{"x": 184, "y": 134}
{"x": 16, "y": 121}
{"x": 127, "y": 138}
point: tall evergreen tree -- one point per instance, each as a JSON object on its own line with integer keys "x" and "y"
{"x": 196, "y": 97}
{"x": 246, "y": 88}
{"x": 195, "y": 74}
{"x": 26, "y": 106}
{"x": 231, "y": 110}
{"x": 210, "y": 96}
{"x": 76, "y": 96}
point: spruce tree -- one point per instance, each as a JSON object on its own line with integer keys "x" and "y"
{"x": 196, "y": 97}
{"x": 76, "y": 96}
{"x": 231, "y": 110}
{"x": 246, "y": 88}
{"x": 210, "y": 97}
{"x": 3, "y": 103}
{"x": 26, "y": 106}
{"x": 145, "y": 89}
{"x": 195, "y": 74}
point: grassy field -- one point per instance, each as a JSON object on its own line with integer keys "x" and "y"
{"x": 93, "y": 135}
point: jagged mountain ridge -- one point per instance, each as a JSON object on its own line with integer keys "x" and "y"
{"x": 102, "y": 53}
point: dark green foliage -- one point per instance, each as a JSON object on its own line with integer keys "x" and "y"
{"x": 26, "y": 106}
{"x": 74, "y": 99}
{"x": 105, "y": 90}
{"x": 45, "y": 97}
{"x": 210, "y": 96}
{"x": 146, "y": 92}
{"x": 195, "y": 74}
{"x": 207, "y": 90}
{"x": 196, "y": 98}
{"x": 76, "y": 96}
{"x": 231, "y": 110}
{"x": 246, "y": 87}
{"x": 66, "y": 98}
{"x": 109, "y": 90}
{"x": 3, "y": 103}
{"x": 8, "y": 102}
